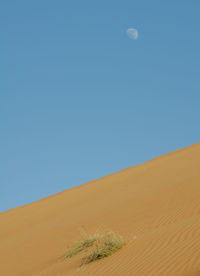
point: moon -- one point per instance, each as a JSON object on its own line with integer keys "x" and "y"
{"x": 132, "y": 33}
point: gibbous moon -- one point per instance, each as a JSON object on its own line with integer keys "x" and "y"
{"x": 132, "y": 33}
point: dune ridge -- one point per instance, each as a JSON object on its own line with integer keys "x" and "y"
{"x": 155, "y": 206}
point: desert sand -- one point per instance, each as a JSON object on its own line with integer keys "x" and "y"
{"x": 155, "y": 206}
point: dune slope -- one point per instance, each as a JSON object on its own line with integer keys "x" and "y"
{"x": 155, "y": 206}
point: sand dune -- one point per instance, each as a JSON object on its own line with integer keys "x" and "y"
{"x": 155, "y": 206}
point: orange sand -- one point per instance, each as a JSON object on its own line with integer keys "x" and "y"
{"x": 155, "y": 206}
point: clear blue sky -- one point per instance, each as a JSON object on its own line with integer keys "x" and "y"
{"x": 79, "y": 99}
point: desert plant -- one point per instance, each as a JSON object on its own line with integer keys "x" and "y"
{"x": 80, "y": 246}
{"x": 102, "y": 245}
{"x": 109, "y": 244}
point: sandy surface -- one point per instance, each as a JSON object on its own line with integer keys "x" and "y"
{"x": 155, "y": 206}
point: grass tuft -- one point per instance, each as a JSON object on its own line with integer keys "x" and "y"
{"x": 101, "y": 246}
{"x": 80, "y": 246}
{"x": 109, "y": 244}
